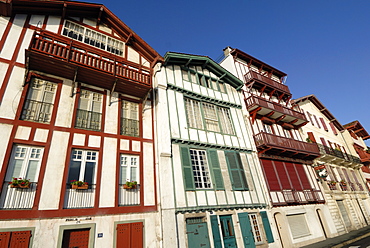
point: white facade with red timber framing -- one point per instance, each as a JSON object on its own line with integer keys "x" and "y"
{"x": 338, "y": 169}
{"x": 284, "y": 155}
{"x": 75, "y": 108}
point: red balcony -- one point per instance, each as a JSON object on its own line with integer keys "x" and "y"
{"x": 61, "y": 56}
{"x": 275, "y": 111}
{"x": 265, "y": 84}
{"x": 296, "y": 197}
{"x": 271, "y": 144}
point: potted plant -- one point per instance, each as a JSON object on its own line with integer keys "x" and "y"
{"x": 20, "y": 183}
{"x": 79, "y": 184}
{"x": 332, "y": 183}
{"x": 130, "y": 185}
{"x": 342, "y": 182}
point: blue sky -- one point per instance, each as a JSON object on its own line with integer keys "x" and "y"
{"x": 323, "y": 46}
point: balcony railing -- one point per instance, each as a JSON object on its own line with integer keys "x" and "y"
{"x": 252, "y": 76}
{"x": 61, "y": 56}
{"x": 271, "y": 141}
{"x": 37, "y": 111}
{"x": 128, "y": 197}
{"x": 255, "y": 101}
{"x": 88, "y": 120}
{"x": 129, "y": 127}
{"x": 339, "y": 154}
{"x": 296, "y": 197}
{"x": 79, "y": 198}
{"x": 17, "y": 198}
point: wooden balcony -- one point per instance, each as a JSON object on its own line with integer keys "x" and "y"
{"x": 257, "y": 81}
{"x": 330, "y": 154}
{"x": 275, "y": 111}
{"x": 296, "y": 197}
{"x": 272, "y": 144}
{"x": 59, "y": 55}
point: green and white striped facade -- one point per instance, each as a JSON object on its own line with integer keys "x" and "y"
{"x": 200, "y": 120}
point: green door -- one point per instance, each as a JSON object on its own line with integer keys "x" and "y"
{"x": 246, "y": 228}
{"x": 228, "y": 233}
{"x": 197, "y": 233}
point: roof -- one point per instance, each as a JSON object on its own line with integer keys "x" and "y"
{"x": 206, "y": 62}
{"x": 358, "y": 129}
{"x": 81, "y": 9}
{"x": 322, "y": 109}
{"x": 250, "y": 59}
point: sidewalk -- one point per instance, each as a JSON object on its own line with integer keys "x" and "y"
{"x": 342, "y": 240}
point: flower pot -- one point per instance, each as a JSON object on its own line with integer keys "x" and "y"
{"x": 18, "y": 186}
{"x": 85, "y": 186}
{"x": 129, "y": 187}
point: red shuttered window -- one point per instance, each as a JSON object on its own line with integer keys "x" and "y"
{"x": 17, "y": 239}
{"x": 130, "y": 235}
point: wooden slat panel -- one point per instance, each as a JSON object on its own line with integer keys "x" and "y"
{"x": 21, "y": 239}
{"x": 4, "y": 239}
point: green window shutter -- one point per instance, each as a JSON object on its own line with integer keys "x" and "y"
{"x": 187, "y": 168}
{"x": 246, "y": 228}
{"x": 216, "y": 232}
{"x": 217, "y": 175}
{"x": 236, "y": 170}
{"x": 266, "y": 225}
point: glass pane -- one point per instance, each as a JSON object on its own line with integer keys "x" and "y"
{"x": 89, "y": 172}
{"x": 133, "y": 174}
{"x": 15, "y": 169}
{"x": 32, "y": 170}
{"x": 74, "y": 171}
{"x": 123, "y": 173}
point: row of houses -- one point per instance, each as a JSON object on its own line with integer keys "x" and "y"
{"x": 108, "y": 144}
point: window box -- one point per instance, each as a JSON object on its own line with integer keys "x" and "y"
{"x": 85, "y": 186}
{"x": 20, "y": 183}
{"x": 130, "y": 185}
{"x": 20, "y": 186}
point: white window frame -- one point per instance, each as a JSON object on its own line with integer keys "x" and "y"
{"x": 84, "y": 156}
{"x": 27, "y": 154}
{"x": 256, "y": 230}
{"x": 201, "y": 173}
{"x": 225, "y": 120}
{"x": 130, "y": 112}
{"x": 93, "y": 99}
{"x": 131, "y": 165}
{"x": 85, "y": 34}
{"x": 210, "y": 117}
{"x": 38, "y": 108}
{"x": 193, "y": 113}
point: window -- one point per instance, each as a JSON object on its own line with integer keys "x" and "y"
{"x": 255, "y": 228}
{"x": 199, "y": 78}
{"x": 193, "y": 113}
{"x": 25, "y": 163}
{"x": 199, "y": 164}
{"x": 15, "y": 239}
{"x": 236, "y": 170}
{"x": 129, "y": 170}
{"x": 298, "y": 225}
{"x": 130, "y": 119}
{"x": 83, "y": 166}
{"x": 267, "y": 128}
{"x": 215, "y": 118}
{"x": 93, "y": 38}
{"x": 38, "y": 105}
{"x": 89, "y": 110}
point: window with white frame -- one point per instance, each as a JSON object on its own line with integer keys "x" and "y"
{"x": 25, "y": 163}
{"x": 210, "y": 117}
{"x": 193, "y": 113}
{"x": 200, "y": 168}
{"x": 83, "y": 166}
{"x": 38, "y": 105}
{"x": 89, "y": 112}
{"x": 215, "y": 118}
{"x": 255, "y": 229}
{"x": 130, "y": 118}
{"x": 93, "y": 38}
{"x": 129, "y": 169}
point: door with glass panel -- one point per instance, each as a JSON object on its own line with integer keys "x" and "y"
{"x": 227, "y": 230}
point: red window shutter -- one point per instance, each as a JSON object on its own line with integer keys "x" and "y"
{"x": 323, "y": 142}
{"x": 303, "y": 176}
{"x": 309, "y": 117}
{"x": 21, "y": 239}
{"x": 270, "y": 174}
{"x": 4, "y": 239}
{"x": 333, "y": 128}
{"x": 318, "y": 124}
{"x": 311, "y": 137}
{"x": 294, "y": 177}
{"x": 76, "y": 238}
{"x": 130, "y": 235}
{"x": 137, "y": 235}
{"x": 324, "y": 124}
{"x": 283, "y": 176}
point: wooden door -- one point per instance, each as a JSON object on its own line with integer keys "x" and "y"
{"x": 130, "y": 235}
{"x": 197, "y": 233}
{"x": 76, "y": 238}
{"x": 228, "y": 233}
{"x": 17, "y": 239}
